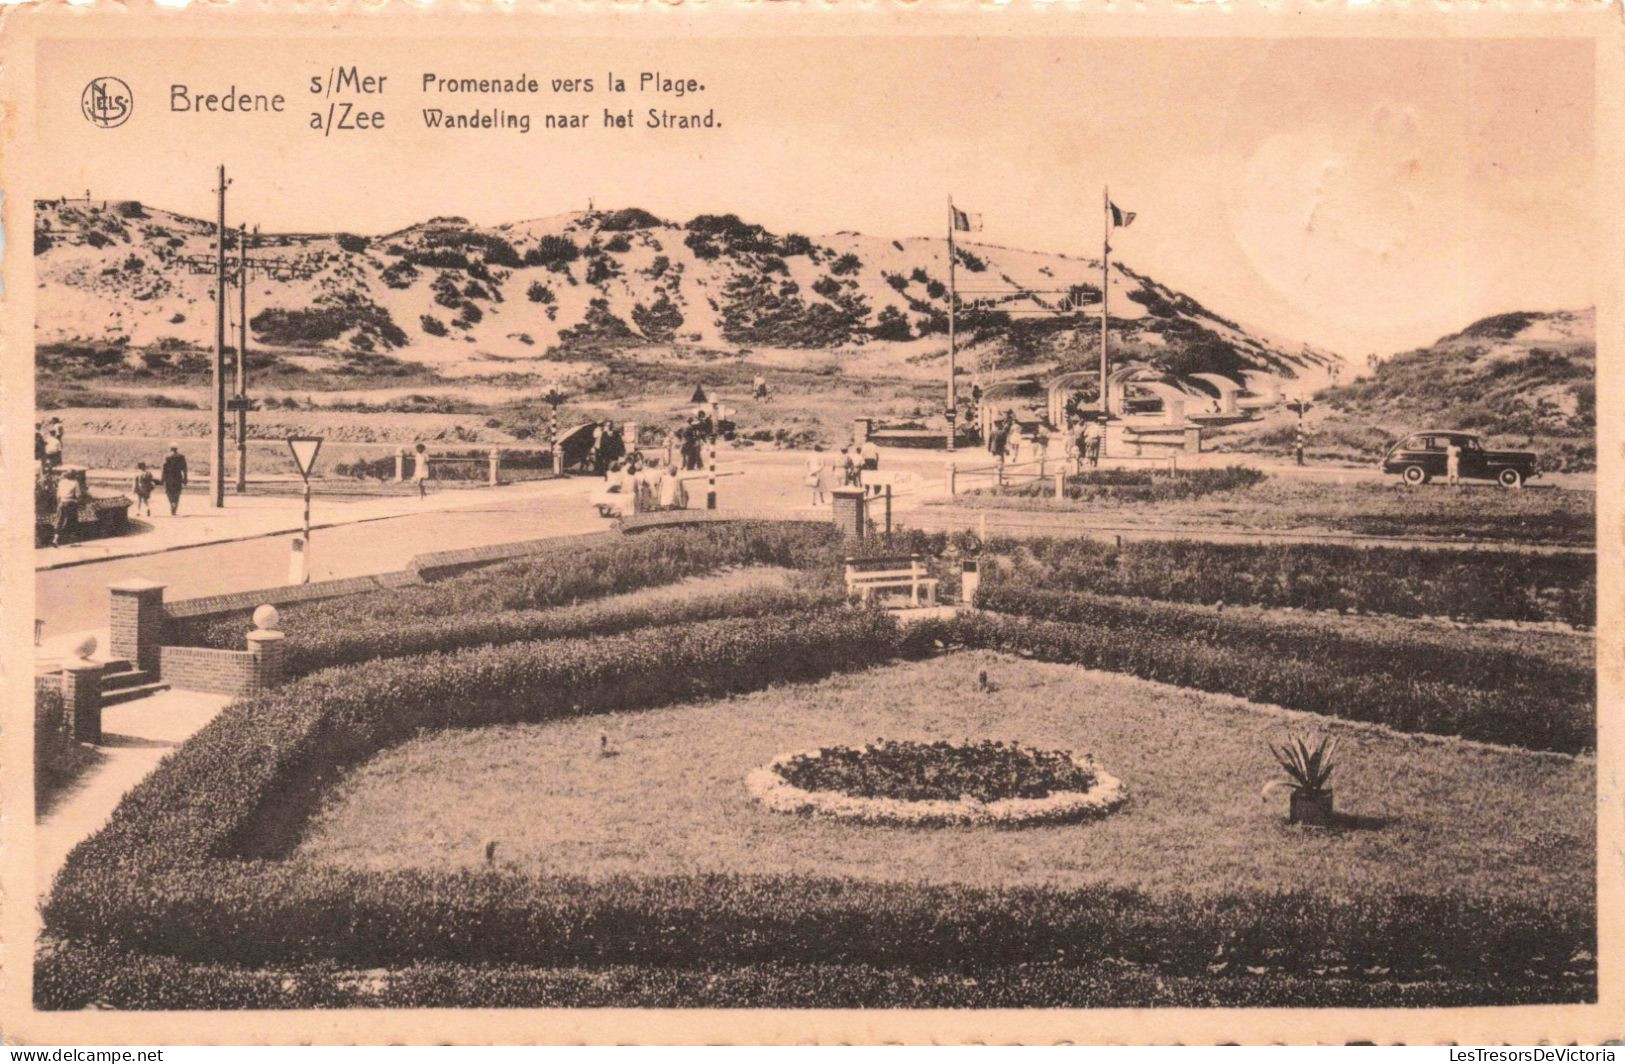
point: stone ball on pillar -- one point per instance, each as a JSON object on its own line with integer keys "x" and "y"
{"x": 266, "y": 617}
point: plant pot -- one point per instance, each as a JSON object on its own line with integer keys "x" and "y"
{"x": 1311, "y": 810}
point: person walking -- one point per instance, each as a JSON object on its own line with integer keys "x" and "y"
{"x": 817, "y": 477}
{"x": 53, "y": 446}
{"x": 1452, "y": 462}
{"x": 67, "y": 510}
{"x": 144, "y": 483}
{"x": 173, "y": 477}
{"x": 670, "y": 446}
{"x": 1092, "y": 433}
{"x": 420, "y": 471}
{"x": 850, "y": 476}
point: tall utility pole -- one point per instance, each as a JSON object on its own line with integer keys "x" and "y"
{"x": 217, "y": 468}
{"x": 1105, "y": 286}
{"x": 240, "y": 397}
{"x": 952, "y": 339}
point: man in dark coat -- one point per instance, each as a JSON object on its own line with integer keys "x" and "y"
{"x": 174, "y": 477}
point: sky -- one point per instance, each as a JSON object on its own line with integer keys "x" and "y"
{"x": 1361, "y": 195}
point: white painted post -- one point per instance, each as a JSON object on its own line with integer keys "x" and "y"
{"x": 400, "y": 464}
{"x": 953, "y": 487}
{"x": 495, "y": 465}
{"x": 1060, "y": 484}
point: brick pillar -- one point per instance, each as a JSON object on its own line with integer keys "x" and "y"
{"x": 849, "y": 511}
{"x": 82, "y": 700}
{"x": 265, "y": 670}
{"x": 135, "y": 622}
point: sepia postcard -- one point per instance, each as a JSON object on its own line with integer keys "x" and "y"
{"x": 909, "y": 522}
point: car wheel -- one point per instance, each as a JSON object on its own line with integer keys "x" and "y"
{"x": 1414, "y": 474}
{"x": 1510, "y": 478}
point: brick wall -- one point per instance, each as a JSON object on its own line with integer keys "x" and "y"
{"x": 247, "y": 601}
{"x": 226, "y": 672}
{"x": 679, "y": 518}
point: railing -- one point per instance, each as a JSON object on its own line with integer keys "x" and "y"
{"x": 1045, "y": 467}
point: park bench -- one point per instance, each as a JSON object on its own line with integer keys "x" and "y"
{"x": 865, "y": 577}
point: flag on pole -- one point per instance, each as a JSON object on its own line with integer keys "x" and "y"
{"x": 1121, "y": 219}
{"x": 966, "y": 222}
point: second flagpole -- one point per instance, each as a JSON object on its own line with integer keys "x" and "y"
{"x": 1105, "y": 287}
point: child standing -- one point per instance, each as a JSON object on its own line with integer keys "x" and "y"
{"x": 144, "y": 483}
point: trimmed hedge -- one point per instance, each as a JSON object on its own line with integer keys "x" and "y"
{"x": 1466, "y": 584}
{"x": 470, "y": 924}
{"x": 1438, "y": 689}
{"x": 325, "y": 646}
{"x": 75, "y": 975}
{"x": 559, "y": 578}
{"x": 1137, "y": 485}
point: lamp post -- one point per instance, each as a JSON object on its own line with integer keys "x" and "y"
{"x": 555, "y": 399}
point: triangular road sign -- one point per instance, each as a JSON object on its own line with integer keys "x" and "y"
{"x": 699, "y": 394}
{"x": 304, "y": 450}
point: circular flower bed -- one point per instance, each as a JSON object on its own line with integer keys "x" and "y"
{"x": 912, "y": 783}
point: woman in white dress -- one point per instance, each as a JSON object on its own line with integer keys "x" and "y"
{"x": 817, "y": 477}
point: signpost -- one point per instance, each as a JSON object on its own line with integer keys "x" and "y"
{"x": 555, "y": 398}
{"x": 1299, "y": 407}
{"x": 718, "y": 412}
{"x": 305, "y": 449}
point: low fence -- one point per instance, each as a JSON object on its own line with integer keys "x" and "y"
{"x": 1055, "y": 470}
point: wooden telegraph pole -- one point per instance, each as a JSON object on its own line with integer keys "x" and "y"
{"x": 240, "y": 398}
{"x": 217, "y": 467}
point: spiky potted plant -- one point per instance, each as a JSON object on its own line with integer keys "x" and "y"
{"x": 1308, "y": 766}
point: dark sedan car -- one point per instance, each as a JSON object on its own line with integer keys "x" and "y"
{"x": 1421, "y": 456}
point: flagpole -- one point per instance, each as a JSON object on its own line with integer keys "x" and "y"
{"x": 952, "y": 338}
{"x": 1105, "y": 287}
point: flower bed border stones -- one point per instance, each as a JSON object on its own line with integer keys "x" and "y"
{"x": 768, "y": 785}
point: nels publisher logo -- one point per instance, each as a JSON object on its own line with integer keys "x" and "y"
{"x": 107, "y": 102}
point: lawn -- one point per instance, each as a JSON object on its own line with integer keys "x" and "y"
{"x": 1424, "y": 815}
{"x": 1282, "y": 504}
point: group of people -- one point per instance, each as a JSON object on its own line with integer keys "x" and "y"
{"x": 685, "y": 446}
{"x": 61, "y": 491}
{"x": 608, "y": 447}
{"x": 1008, "y": 443}
{"x": 636, "y": 485}
{"x": 845, "y": 469}
{"x": 172, "y": 475}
